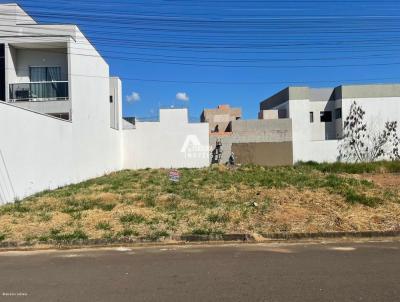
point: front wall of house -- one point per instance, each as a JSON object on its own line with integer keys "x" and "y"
{"x": 377, "y": 110}
{"x": 90, "y": 97}
{"x": 308, "y": 139}
{"x": 322, "y": 130}
{"x": 38, "y": 152}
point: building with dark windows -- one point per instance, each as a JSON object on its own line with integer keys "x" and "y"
{"x": 317, "y": 115}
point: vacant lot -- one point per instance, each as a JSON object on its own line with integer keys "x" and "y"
{"x": 250, "y": 199}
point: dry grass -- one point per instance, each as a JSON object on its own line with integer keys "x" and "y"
{"x": 207, "y": 201}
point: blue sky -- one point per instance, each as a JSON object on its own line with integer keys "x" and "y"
{"x": 234, "y": 52}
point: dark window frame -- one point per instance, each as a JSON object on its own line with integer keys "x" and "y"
{"x": 311, "y": 117}
{"x": 325, "y": 116}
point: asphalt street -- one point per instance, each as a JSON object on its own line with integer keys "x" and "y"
{"x": 336, "y": 271}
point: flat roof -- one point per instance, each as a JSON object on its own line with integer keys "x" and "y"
{"x": 331, "y": 94}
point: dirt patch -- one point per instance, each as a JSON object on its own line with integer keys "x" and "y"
{"x": 386, "y": 180}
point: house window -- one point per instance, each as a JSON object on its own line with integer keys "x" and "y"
{"x": 338, "y": 113}
{"x": 282, "y": 113}
{"x": 111, "y": 99}
{"x": 326, "y": 116}
{"x": 44, "y": 83}
{"x": 311, "y": 117}
{"x": 45, "y": 74}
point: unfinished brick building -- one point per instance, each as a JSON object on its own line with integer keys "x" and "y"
{"x": 221, "y": 118}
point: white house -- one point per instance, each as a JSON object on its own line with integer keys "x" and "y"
{"x": 318, "y": 115}
{"x": 61, "y": 112}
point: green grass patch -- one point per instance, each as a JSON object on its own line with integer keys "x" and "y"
{"x": 132, "y": 218}
{"x": 156, "y": 235}
{"x": 206, "y": 231}
{"x": 17, "y": 207}
{"x": 128, "y": 233}
{"x": 218, "y": 218}
{"x": 354, "y": 168}
{"x": 56, "y": 235}
{"x": 104, "y": 226}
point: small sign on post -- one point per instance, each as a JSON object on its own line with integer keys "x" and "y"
{"x": 174, "y": 176}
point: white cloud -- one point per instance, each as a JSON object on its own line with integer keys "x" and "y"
{"x": 182, "y": 96}
{"x": 133, "y": 97}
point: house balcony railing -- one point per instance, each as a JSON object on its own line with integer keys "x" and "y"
{"x": 39, "y": 91}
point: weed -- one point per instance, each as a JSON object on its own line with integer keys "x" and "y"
{"x": 17, "y": 207}
{"x": 56, "y": 235}
{"x": 132, "y": 218}
{"x": 44, "y": 216}
{"x": 218, "y": 218}
{"x": 353, "y": 168}
{"x": 207, "y": 231}
{"x": 76, "y": 215}
{"x": 128, "y": 233}
{"x": 354, "y": 197}
{"x": 201, "y": 232}
{"x": 157, "y": 235}
{"x": 105, "y": 226}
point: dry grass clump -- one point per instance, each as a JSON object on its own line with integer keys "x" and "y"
{"x": 207, "y": 201}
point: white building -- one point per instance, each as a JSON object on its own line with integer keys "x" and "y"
{"x": 318, "y": 115}
{"x": 61, "y": 112}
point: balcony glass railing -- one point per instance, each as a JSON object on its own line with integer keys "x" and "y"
{"x": 39, "y": 91}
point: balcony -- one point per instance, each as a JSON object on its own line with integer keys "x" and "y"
{"x": 39, "y": 91}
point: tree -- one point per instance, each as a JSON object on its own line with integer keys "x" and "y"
{"x": 360, "y": 144}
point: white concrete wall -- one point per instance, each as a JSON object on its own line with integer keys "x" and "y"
{"x": 38, "y": 152}
{"x": 160, "y": 144}
{"x": 377, "y": 110}
{"x": 116, "y": 105}
{"x": 321, "y": 130}
{"x": 42, "y": 152}
{"x": 301, "y": 132}
{"x": 308, "y": 139}
{"x": 90, "y": 97}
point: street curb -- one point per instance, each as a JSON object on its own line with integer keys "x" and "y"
{"x": 194, "y": 238}
{"x": 328, "y": 235}
{"x": 222, "y": 237}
